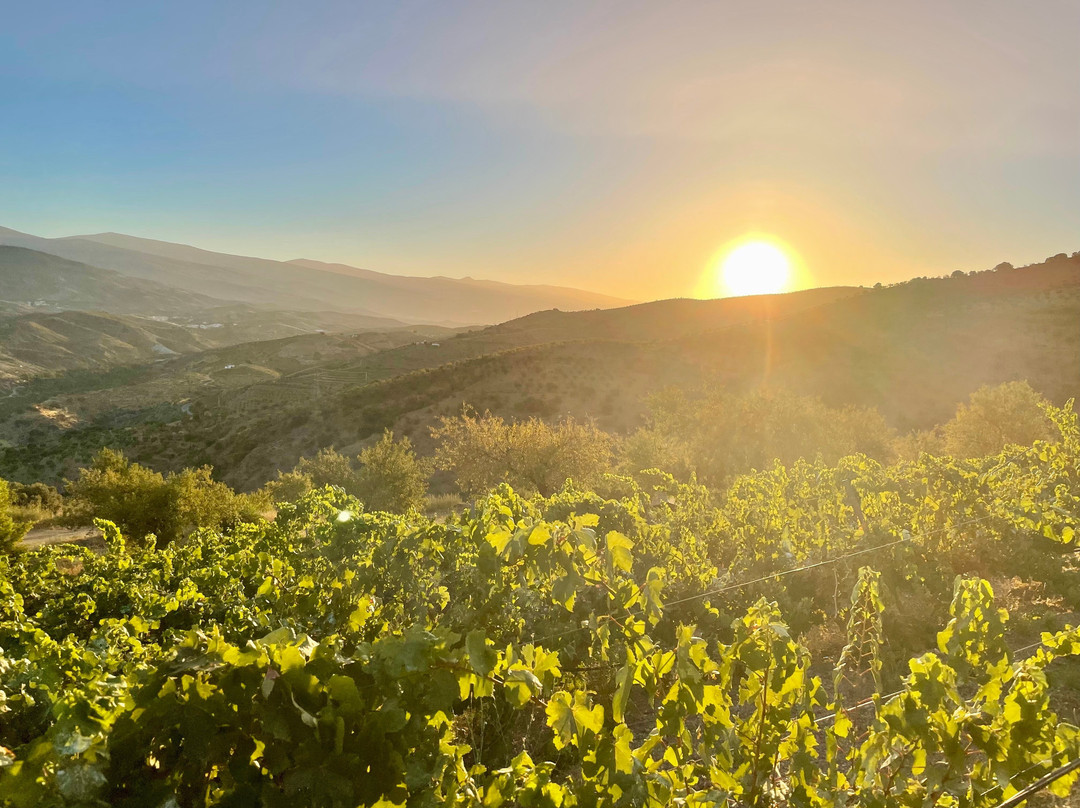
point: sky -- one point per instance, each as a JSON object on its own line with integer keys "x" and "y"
{"x": 612, "y": 146}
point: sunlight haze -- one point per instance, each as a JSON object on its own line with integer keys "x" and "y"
{"x": 614, "y": 147}
{"x": 556, "y": 404}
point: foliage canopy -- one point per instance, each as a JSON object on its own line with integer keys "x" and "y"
{"x": 11, "y": 529}
{"x": 568, "y": 650}
{"x": 531, "y": 455}
{"x": 142, "y": 501}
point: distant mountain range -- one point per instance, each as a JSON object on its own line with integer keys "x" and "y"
{"x": 58, "y": 315}
{"x": 200, "y": 278}
{"x": 913, "y": 350}
{"x": 32, "y": 281}
{"x": 259, "y": 386}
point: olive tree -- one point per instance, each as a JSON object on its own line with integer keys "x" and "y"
{"x": 11, "y": 529}
{"x": 141, "y": 501}
{"x": 532, "y": 455}
{"x": 994, "y": 417}
{"x": 391, "y": 477}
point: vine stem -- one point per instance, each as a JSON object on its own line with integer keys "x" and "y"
{"x": 761, "y": 728}
{"x": 1022, "y": 795}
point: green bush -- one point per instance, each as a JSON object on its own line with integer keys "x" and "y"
{"x": 11, "y": 529}
{"x": 141, "y": 501}
{"x": 532, "y": 455}
{"x": 288, "y": 486}
{"x": 719, "y": 434}
{"x": 329, "y": 467}
{"x": 390, "y": 476}
{"x": 39, "y": 496}
{"x": 385, "y": 477}
{"x": 995, "y": 417}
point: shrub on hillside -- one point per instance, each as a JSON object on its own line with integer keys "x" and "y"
{"x": 198, "y": 500}
{"x": 34, "y": 503}
{"x": 719, "y": 434}
{"x": 114, "y": 488}
{"x": 11, "y": 529}
{"x": 532, "y": 455}
{"x": 36, "y": 495}
{"x": 288, "y": 486}
{"x": 647, "y": 449}
{"x": 391, "y": 477}
{"x": 141, "y": 501}
{"x": 385, "y": 477}
{"x": 329, "y": 467}
{"x": 996, "y": 417}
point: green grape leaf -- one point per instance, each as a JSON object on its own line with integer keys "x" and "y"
{"x": 482, "y": 656}
{"x": 624, "y": 680}
{"x": 619, "y": 547}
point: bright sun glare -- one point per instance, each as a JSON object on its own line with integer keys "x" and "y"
{"x": 754, "y": 268}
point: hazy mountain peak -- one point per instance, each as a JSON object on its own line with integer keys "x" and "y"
{"x": 310, "y": 285}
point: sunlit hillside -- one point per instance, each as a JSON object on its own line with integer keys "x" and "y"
{"x": 912, "y": 351}
{"x": 298, "y": 286}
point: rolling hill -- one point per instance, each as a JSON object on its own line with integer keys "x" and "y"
{"x": 40, "y": 344}
{"x": 58, "y": 315}
{"x": 40, "y": 293}
{"x": 32, "y": 280}
{"x": 107, "y": 387}
{"x": 913, "y": 350}
{"x": 310, "y": 286}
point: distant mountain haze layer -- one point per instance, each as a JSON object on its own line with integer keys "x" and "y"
{"x": 579, "y": 298}
{"x": 202, "y": 279}
{"x": 912, "y": 350}
{"x": 310, "y": 285}
{"x": 30, "y": 279}
{"x": 59, "y": 315}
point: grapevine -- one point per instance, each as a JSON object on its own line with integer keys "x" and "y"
{"x": 643, "y": 648}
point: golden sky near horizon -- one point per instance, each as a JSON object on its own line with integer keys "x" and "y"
{"x": 614, "y": 146}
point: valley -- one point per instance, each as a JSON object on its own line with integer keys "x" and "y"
{"x": 173, "y": 396}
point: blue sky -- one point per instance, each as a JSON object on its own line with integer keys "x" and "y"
{"x": 614, "y": 146}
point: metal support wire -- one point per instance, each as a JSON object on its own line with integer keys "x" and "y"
{"x": 907, "y": 538}
{"x": 1044, "y": 781}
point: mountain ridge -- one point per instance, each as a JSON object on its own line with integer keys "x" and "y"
{"x": 913, "y": 350}
{"x": 293, "y": 286}
{"x": 30, "y": 276}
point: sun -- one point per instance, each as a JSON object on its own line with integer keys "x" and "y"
{"x": 755, "y": 267}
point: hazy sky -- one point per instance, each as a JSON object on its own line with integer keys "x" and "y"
{"x": 613, "y": 146}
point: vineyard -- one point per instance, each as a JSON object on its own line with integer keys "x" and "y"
{"x": 644, "y": 645}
